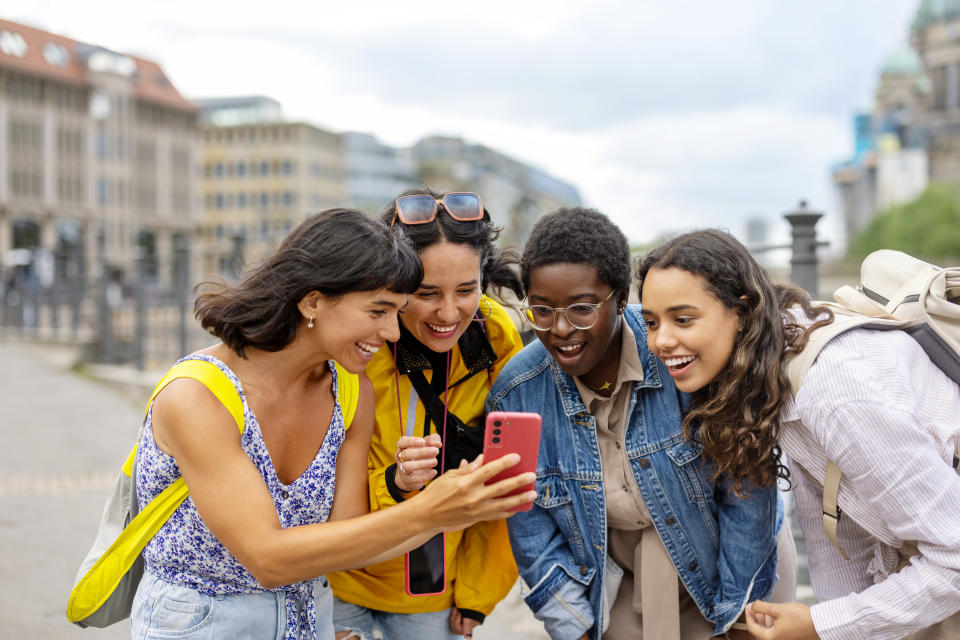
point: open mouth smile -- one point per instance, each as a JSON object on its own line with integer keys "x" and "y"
{"x": 442, "y": 330}
{"x": 678, "y": 365}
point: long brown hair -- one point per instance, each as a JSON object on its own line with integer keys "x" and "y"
{"x": 736, "y": 417}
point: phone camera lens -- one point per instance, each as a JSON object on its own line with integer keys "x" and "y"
{"x": 496, "y": 423}
{"x": 496, "y": 440}
{"x": 496, "y": 432}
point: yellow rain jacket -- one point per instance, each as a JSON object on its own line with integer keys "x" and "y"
{"x": 480, "y": 569}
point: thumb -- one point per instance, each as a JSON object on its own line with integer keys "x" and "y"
{"x": 760, "y": 606}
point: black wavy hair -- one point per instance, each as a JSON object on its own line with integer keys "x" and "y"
{"x": 335, "y": 252}
{"x": 497, "y": 267}
{"x": 580, "y": 236}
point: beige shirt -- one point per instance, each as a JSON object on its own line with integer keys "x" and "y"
{"x": 629, "y": 521}
{"x": 625, "y": 507}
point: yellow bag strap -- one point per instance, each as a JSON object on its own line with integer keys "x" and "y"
{"x": 348, "y": 393}
{"x": 209, "y": 375}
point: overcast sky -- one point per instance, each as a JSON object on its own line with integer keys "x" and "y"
{"x": 666, "y": 114}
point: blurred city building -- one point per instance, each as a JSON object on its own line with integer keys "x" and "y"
{"x": 912, "y": 135}
{"x": 516, "y": 194}
{"x": 376, "y": 172}
{"x": 261, "y": 176}
{"x": 91, "y": 141}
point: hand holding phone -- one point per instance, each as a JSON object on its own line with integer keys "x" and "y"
{"x": 513, "y": 432}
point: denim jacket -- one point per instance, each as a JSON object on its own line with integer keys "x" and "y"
{"x": 723, "y": 547}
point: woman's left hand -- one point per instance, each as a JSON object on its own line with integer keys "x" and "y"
{"x": 416, "y": 461}
{"x": 780, "y": 621}
{"x": 462, "y": 626}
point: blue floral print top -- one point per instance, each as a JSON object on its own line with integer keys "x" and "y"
{"x": 185, "y": 552}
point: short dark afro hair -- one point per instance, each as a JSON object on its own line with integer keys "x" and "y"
{"x": 581, "y": 236}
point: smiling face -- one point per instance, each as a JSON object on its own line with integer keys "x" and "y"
{"x": 441, "y": 309}
{"x": 351, "y": 328}
{"x": 579, "y": 352}
{"x": 688, "y": 328}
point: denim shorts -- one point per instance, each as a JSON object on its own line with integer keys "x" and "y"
{"x": 368, "y": 624}
{"x": 166, "y": 610}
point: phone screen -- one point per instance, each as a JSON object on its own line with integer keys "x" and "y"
{"x": 425, "y": 567}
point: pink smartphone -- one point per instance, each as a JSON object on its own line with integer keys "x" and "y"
{"x": 513, "y": 432}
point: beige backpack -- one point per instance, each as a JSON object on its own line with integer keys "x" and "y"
{"x": 896, "y": 291}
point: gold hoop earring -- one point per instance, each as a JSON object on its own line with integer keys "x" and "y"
{"x": 310, "y": 323}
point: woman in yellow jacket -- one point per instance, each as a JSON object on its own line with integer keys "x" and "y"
{"x": 433, "y": 381}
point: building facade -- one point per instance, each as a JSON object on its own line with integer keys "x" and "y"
{"x": 92, "y": 143}
{"x": 912, "y": 137}
{"x": 376, "y": 173}
{"x": 259, "y": 180}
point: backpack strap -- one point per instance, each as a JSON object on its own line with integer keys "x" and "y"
{"x": 831, "y": 510}
{"x": 348, "y": 394}
{"x": 210, "y": 376}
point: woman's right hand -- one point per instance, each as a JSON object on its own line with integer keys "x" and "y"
{"x": 461, "y": 497}
{"x": 416, "y": 461}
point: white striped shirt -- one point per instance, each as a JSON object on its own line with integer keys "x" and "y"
{"x": 875, "y": 404}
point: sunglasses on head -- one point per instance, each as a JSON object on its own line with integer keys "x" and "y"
{"x": 422, "y": 208}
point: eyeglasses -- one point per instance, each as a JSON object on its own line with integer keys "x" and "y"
{"x": 582, "y": 315}
{"x": 422, "y": 208}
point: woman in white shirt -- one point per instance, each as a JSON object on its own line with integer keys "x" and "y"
{"x": 872, "y": 402}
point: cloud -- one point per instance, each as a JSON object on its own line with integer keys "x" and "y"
{"x": 664, "y": 114}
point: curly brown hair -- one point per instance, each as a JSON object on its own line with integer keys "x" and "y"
{"x": 736, "y": 417}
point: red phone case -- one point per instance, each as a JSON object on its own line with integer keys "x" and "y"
{"x": 516, "y": 433}
{"x": 406, "y": 572}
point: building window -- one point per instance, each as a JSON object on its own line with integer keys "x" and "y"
{"x": 101, "y": 143}
{"x": 264, "y": 200}
{"x": 102, "y": 191}
{"x": 218, "y": 201}
{"x": 241, "y": 169}
{"x": 218, "y": 170}
{"x": 13, "y": 44}
{"x": 953, "y": 87}
{"x": 241, "y": 200}
{"x": 287, "y": 168}
{"x": 264, "y": 168}
{"x": 287, "y": 198}
{"x": 55, "y": 54}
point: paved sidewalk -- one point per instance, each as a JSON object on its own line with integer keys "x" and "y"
{"x": 64, "y": 438}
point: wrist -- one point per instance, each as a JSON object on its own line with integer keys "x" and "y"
{"x": 398, "y": 492}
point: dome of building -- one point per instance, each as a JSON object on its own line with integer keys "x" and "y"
{"x": 902, "y": 61}
{"x": 932, "y": 11}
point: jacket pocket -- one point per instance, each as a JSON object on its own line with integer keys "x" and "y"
{"x": 688, "y": 459}
{"x": 555, "y": 499}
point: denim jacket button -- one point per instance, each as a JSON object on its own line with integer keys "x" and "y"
{"x": 693, "y": 566}
{"x": 644, "y": 463}
{"x": 584, "y": 570}
{"x": 671, "y": 520}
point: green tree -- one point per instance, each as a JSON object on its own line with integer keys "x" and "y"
{"x": 928, "y": 227}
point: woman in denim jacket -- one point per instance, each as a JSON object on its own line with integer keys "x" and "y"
{"x": 619, "y": 486}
